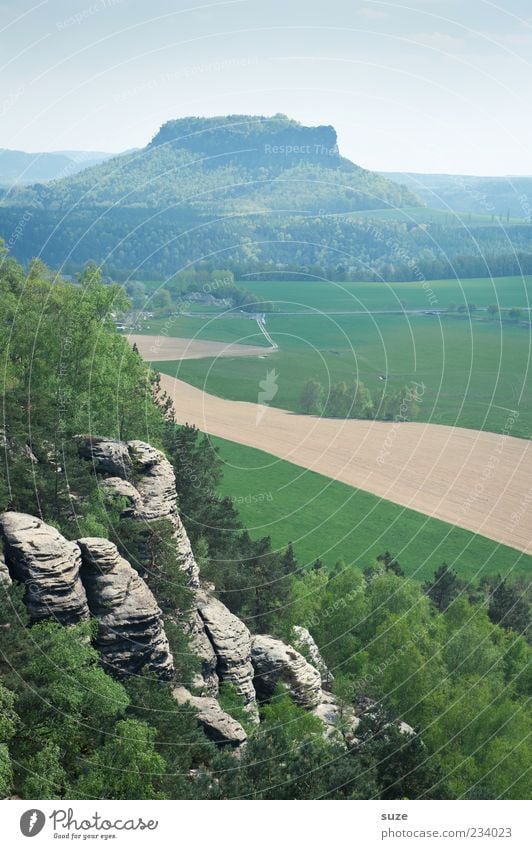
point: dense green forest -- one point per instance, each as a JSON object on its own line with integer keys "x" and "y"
{"x": 450, "y": 658}
{"x": 257, "y": 195}
{"x": 131, "y": 241}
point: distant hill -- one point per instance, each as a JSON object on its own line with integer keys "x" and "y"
{"x": 238, "y": 162}
{"x": 255, "y": 195}
{"x": 493, "y": 196}
{"x": 18, "y": 167}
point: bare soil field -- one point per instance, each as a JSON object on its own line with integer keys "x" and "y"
{"x": 167, "y": 348}
{"x": 477, "y": 480}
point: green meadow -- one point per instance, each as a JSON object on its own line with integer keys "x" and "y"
{"x": 473, "y": 371}
{"x": 330, "y": 520}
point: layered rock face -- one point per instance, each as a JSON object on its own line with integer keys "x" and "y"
{"x": 71, "y": 581}
{"x": 217, "y": 724}
{"x": 304, "y": 641}
{"x": 144, "y": 476}
{"x": 108, "y": 456}
{"x": 48, "y": 566}
{"x": 231, "y": 641}
{"x": 276, "y": 663}
{"x": 130, "y": 627}
{"x": 207, "y": 682}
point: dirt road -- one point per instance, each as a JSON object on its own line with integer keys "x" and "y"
{"x": 476, "y": 480}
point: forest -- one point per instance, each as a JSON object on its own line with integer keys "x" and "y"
{"x": 449, "y": 657}
{"x": 259, "y": 196}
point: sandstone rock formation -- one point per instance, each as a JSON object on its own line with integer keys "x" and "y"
{"x": 5, "y": 577}
{"x": 304, "y": 642}
{"x": 108, "y": 456}
{"x": 276, "y": 663}
{"x": 130, "y": 626}
{"x": 207, "y": 682}
{"x": 340, "y": 723}
{"x": 143, "y": 475}
{"x": 48, "y": 566}
{"x": 231, "y": 641}
{"x": 217, "y": 724}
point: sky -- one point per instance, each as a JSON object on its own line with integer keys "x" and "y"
{"x": 421, "y": 85}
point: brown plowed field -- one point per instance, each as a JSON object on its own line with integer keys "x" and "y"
{"x": 476, "y": 480}
{"x": 164, "y": 348}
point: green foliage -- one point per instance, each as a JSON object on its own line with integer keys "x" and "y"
{"x": 232, "y": 703}
{"x": 312, "y": 767}
{"x": 449, "y": 659}
{"x": 510, "y": 604}
{"x": 178, "y": 740}
{"x": 311, "y": 398}
{"x": 8, "y": 725}
{"x": 125, "y": 767}
{"x": 403, "y": 765}
{"x": 252, "y": 579}
{"x": 444, "y": 587}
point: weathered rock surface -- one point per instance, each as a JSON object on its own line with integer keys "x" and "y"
{"x": 108, "y": 456}
{"x": 231, "y": 641}
{"x": 155, "y": 481}
{"x": 217, "y": 724}
{"x": 48, "y": 566}
{"x": 5, "y": 577}
{"x": 340, "y": 724}
{"x": 142, "y": 474}
{"x": 130, "y": 626}
{"x": 304, "y": 642}
{"x": 199, "y": 643}
{"x": 276, "y": 663}
{"x": 124, "y": 489}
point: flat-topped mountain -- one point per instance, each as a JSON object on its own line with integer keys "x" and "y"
{"x": 237, "y": 162}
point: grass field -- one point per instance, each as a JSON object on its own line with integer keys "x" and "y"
{"x": 473, "y": 372}
{"x": 220, "y": 328}
{"x": 288, "y": 295}
{"x": 327, "y": 519}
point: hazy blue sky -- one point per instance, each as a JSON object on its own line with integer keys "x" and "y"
{"x": 426, "y": 85}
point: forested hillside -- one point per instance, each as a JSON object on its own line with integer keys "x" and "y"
{"x": 449, "y": 659}
{"x": 493, "y": 196}
{"x": 254, "y": 194}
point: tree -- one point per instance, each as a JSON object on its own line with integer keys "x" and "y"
{"x": 391, "y": 564}
{"x": 508, "y": 606}
{"x": 404, "y": 769}
{"x": 8, "y": 723}
{"x": 514, "y": 313}
{"x": 338, "y": 404}
{"x": 362, "y": 406}
{"x": 444, "y": 587}
{"x": 311, "y": 398}
{"x": 288, "y": 757}
{"x": 493, "y": 309}
{"x": 125, "y": 767}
